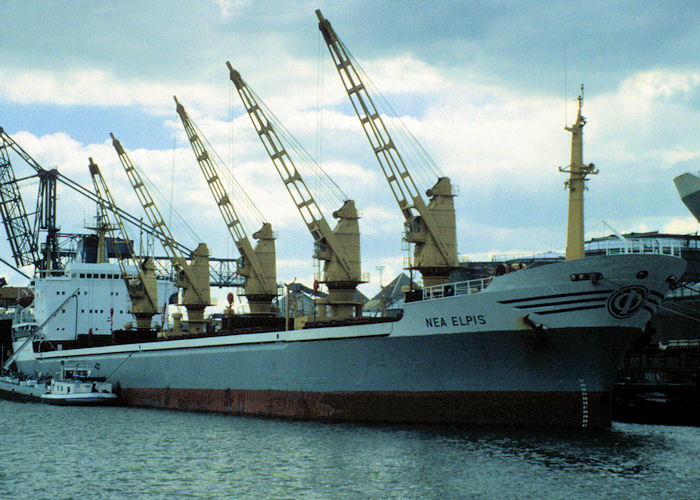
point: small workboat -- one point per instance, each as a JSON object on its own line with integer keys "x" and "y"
{"x": 23, "y": 388}
{"x": 78, "y": 386}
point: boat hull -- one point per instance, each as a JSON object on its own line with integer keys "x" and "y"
{"x": 93, "y": 399}
{"x": 13, "y": 390}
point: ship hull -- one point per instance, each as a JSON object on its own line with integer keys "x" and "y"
{"x": 538, "y": 347}
{"x": 505, "y": 379}
{"x": 499, "y": 378}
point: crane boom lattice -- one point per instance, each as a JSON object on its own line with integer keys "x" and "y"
{"x": 192, "y": 278}
{"x": 23, "y": 242}
{"x": 149, "y": 206}
{"x": 339, "y": 248}
{"x": 142, "y": 288}
{"x": 431, "y": 227}
{"x": 292, "y": 179}
{"x": 257, "y": 265}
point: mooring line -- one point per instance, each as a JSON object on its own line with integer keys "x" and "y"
{"x": 120, "y": 365}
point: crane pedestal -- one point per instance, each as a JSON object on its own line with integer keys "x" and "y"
{"x": 341, "y": 299}
{"x": 260, "y": 304}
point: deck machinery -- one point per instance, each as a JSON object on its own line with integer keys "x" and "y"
{"x": 431, "y": 227}
{"x": 257, "y": 265}
{"x": 339, "y": 248}
{"x": 193, "y": 276}
{"x": 142, "y": 287}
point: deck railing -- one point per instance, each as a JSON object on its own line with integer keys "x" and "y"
{"x": 646, "y": 246}
{"x": 457, "y": 288}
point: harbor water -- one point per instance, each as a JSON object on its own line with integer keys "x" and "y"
{"x": 112, "y": 452}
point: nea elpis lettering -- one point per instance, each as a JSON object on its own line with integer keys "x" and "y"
{"x": 466, "y": 320}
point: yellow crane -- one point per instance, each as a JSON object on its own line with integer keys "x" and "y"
{"x": 431, "y": 227}
{"x": 192, "y": 277}
{"x": 339, "y": 248}
{"x": 257, "y": 265}
{"x": 142, "y": 287}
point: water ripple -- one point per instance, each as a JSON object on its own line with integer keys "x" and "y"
{"x": 62, "y": 452}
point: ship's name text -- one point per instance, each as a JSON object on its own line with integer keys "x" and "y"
{"x": 466, "y": 320}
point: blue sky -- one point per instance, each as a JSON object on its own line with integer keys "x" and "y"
{"x": 486, "y": 87}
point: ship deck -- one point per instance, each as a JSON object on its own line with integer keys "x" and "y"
{"x": 255, "y": 325}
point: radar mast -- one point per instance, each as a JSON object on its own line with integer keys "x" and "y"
{"x": 576, "y": 184}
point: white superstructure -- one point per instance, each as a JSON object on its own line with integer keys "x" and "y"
{"x": 101, "y": 304}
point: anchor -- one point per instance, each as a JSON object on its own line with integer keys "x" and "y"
{"x": 539, "y": 338}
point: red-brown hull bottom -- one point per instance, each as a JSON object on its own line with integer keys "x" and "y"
{"x": 512, "y": 408}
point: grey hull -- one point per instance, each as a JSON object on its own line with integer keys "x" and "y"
{"x": 510, "y": 378}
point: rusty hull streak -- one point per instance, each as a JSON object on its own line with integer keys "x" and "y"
{"x": 547, "y": 409}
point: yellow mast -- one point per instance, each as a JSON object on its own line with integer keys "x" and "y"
{"x": 576, "y": 185}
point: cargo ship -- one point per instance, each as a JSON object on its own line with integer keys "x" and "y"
{"x": 537, "y": 347}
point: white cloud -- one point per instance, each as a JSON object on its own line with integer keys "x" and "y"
{"x": 685, "y": 225}
{"x": 404, "y": 75}
{"x": 227, "y": 7}
{"x": 101, "y": 88}
{"x": 651, "y": 85}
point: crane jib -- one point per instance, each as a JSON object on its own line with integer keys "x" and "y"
{"x": 390, "y": 160}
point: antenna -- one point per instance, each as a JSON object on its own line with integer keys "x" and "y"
{"x": 566, "y": 85}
